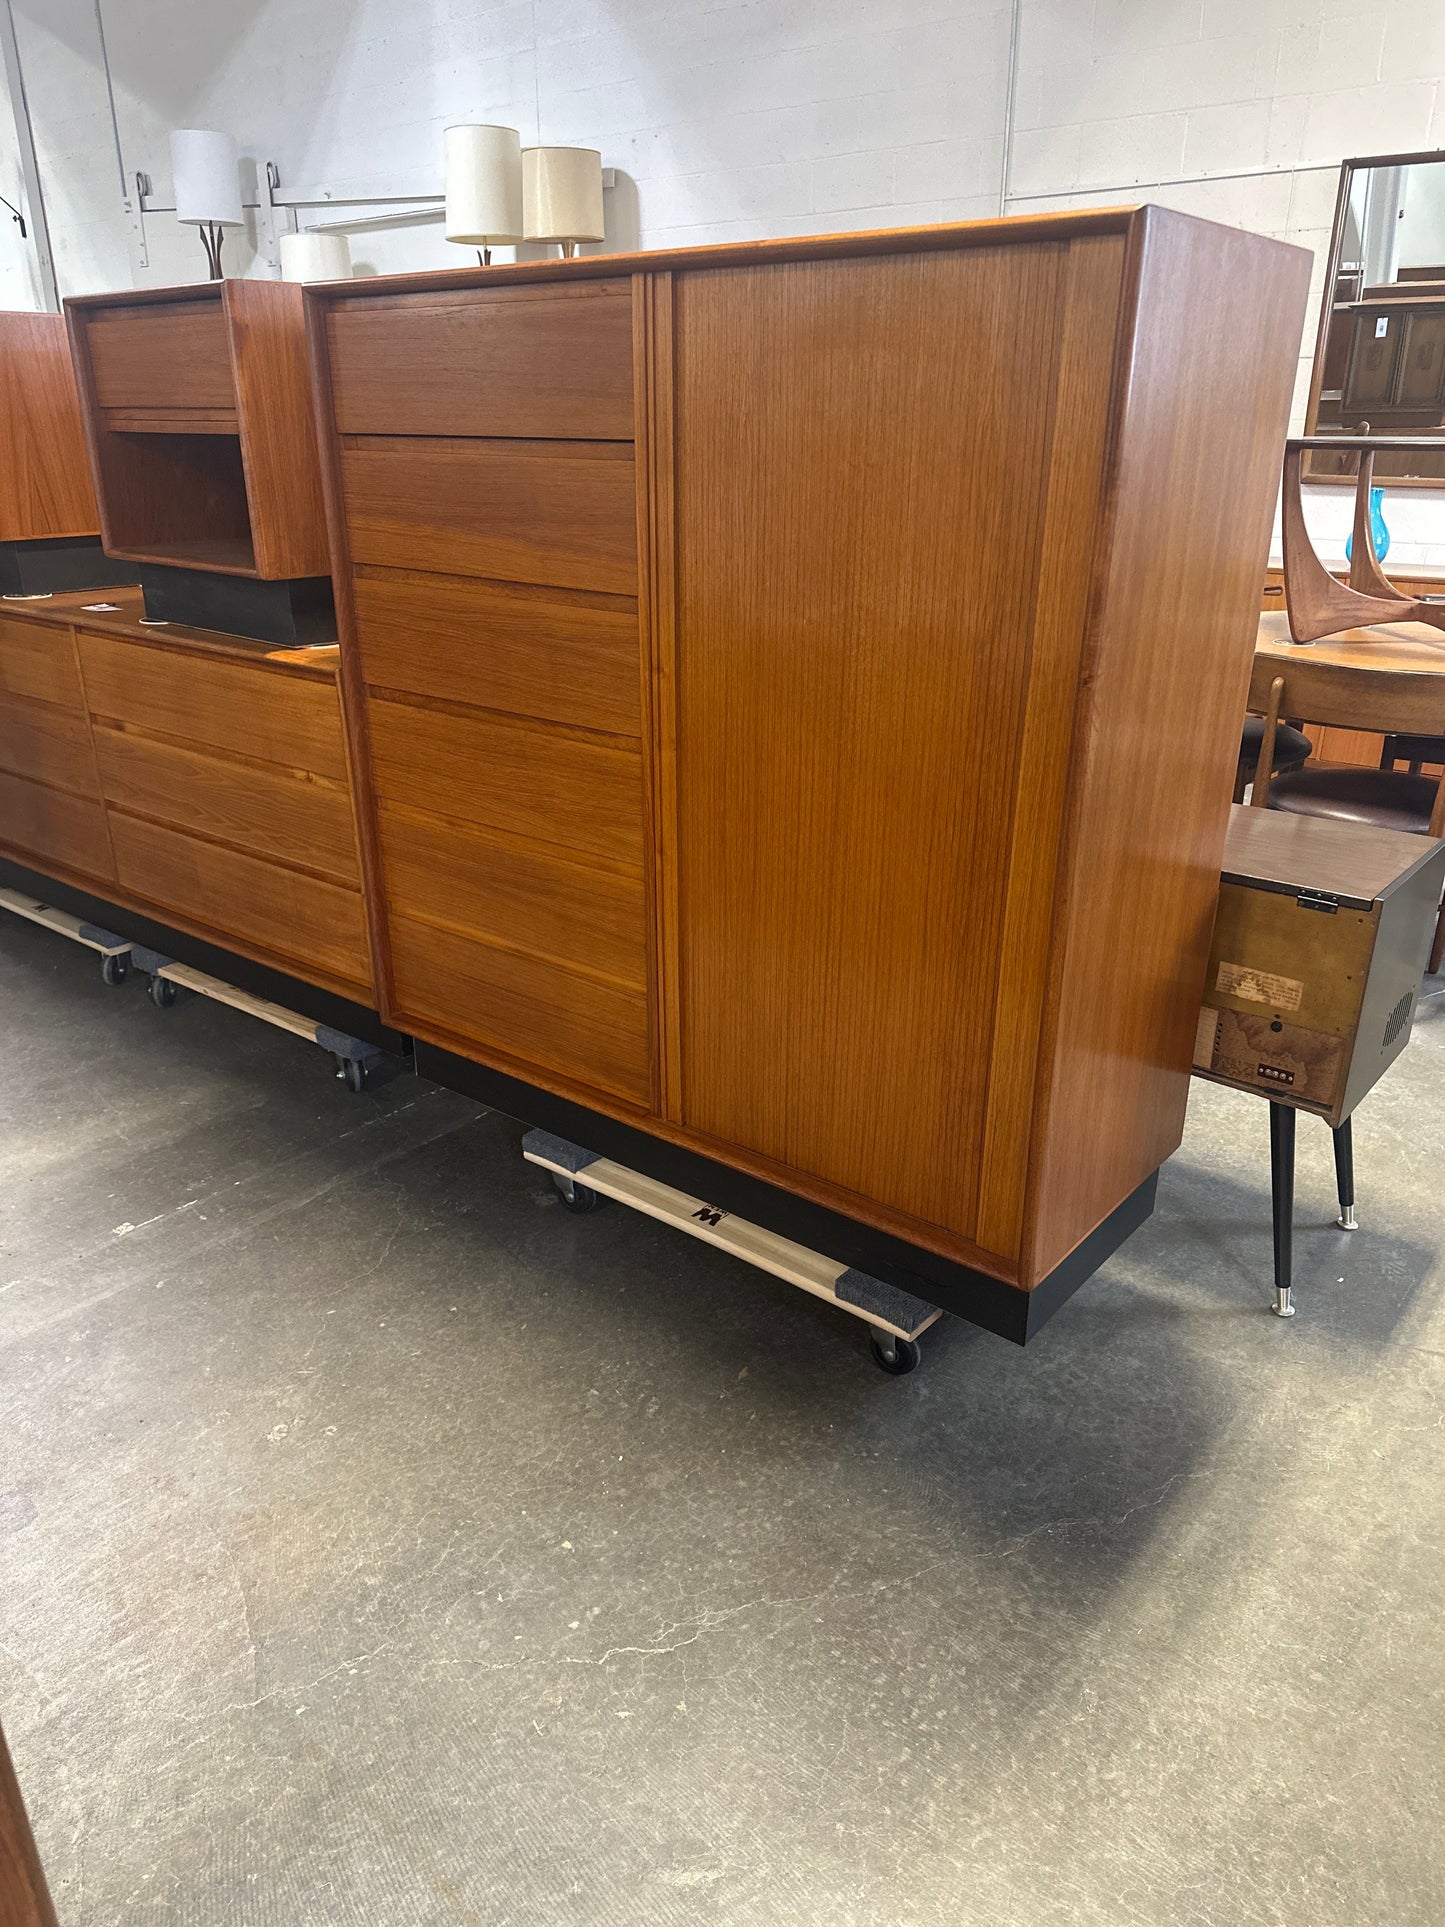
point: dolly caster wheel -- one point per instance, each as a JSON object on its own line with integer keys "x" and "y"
{"x": 895, "y": 1355}
{"x": 352, "y": 1073}
{"x": 113, "y": 970}
{"x": 577, "y": 1197}
{"x": 163, "y": 992}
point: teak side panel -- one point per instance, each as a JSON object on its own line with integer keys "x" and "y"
{"x": 532, "y": 652}
{"x": 266, "y": 335}
{"x": 524, "y": 1008}
{"x": 69, "y": 831}
{"x": 256, "y": 807}
{"x": 522, "y": 778}
{"x": 45, "y": 486}
{"x": 160, "y": 355}
{"x": 544, "y": 362}
{"x": 1202, "y": 416}
{"x": 306, "y": 924}
{"x": 857, "y": 554}
{"x": 559, "y": 514}
{"x": 249, "y": 710}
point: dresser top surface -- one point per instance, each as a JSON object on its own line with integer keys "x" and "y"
{"x": 121, "y": 612}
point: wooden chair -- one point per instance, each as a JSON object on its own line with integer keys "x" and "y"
{"x": 1384, "y": 694}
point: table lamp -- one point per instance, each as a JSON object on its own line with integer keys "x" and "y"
{"x": 208, "y": 187}
{"x": 484, "y": 187}
{"x": 562, "y": 196}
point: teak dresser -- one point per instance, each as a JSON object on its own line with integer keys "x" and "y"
{"x": 795, "y": 692}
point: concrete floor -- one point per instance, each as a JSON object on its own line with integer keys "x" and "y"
{"x": 381, "y": 1544}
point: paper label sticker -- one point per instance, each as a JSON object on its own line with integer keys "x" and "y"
{"x": 1259, "y": 987}
{"x": 1206, "y": 1031}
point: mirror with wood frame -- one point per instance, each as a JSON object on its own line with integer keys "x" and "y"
{"x": 1380, "y": 359}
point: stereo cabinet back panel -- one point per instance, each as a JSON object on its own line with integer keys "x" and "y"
{"x": 873, "y": 849}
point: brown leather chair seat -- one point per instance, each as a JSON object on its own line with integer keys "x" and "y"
{"x": 1389, "y": 799}
{"x": 1291, "y": 748}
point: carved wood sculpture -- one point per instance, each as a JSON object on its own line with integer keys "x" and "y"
{"x": 1318, "y": 604}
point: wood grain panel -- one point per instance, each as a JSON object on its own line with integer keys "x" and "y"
{"x": 51, "y": 745}
{"x": 253, "y": 806}
{"x": 1167, "y": 662}
{"x": 579, "y": 794}
{"x": 50, "y": 824}
{"x": 307, "y": 924}
{"x": 266, "y": 338}
{"x": 45, "y": 486}
{"x": 161, "y": 355}
{"x": 532, "y": 652}
{"x": 259, "y": 711}
{"x": 527, "y": 897}
{"x": 524, "y": 1009}
{"x": 540, "y": 362}
{"x": 561, "y": 514}
{"x": 856, "y": 563}
{"x": 37, "y": 659}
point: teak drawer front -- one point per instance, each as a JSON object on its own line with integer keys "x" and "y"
{"x": 294, "y": 917}
{"x": 48, "y": 744}
{"x": 161, "y": 355}
{"x": 538, "y": 901}
{"x": 529, "y": 1010}
{"x": 514, "y": 776}
{"x": 259, "y": 808}
{"x": 559, "y": 514}
{"x": 549, "y": 362}
{"x": 250, "y": 710}
{"x": 47, "y": 823}
{"x": 531, "y": 652}
{"x": 39, "y": 660}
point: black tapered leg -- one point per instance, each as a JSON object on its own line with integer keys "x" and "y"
{"x": 1281, "y": 1170}
{"x": 1345, "y": 1176}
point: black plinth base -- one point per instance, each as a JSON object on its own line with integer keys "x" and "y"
{"x": 293, "y": 613}
{"x": 58, "y": 564}
{"x": 954, "y": 1287}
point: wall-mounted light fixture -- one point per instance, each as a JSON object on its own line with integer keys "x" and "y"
{"x": 562, "y": 196}
{"x": 484, "y": 187}
{"x": 208, "y": 187}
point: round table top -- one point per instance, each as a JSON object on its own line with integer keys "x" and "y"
{"x": 1389, "y": 677}
{"x": 1408, "y": 648}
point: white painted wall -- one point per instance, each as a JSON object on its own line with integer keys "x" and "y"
{"x": 744, "y": 118}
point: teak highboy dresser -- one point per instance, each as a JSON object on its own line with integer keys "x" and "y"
{"x": 795, "y": 689}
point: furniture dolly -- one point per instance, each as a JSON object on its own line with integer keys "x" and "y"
{"x": 114, "y": 951}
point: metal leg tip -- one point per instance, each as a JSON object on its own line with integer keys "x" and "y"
{"x": 1284, "y": 1302}
{"x": 1347, "y": 1220}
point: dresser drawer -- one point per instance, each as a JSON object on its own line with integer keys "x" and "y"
{"x": 571, "y": 1025}
{"x": 522, "y": 778}
{"x": 60, "y": 829}
{"x": 312, "y": 926}
{"x": 531, "y": 652}
{"x": 161, "y": 355}
{"x": 250, "y": 711}
{"x": 50, "y": 745}
{"x": 538, "y": 901}
{"x": 38, "y": 659}
{"x": 560, "y": 514}
{"x": 541, "y": 361}
{"x": 260, "y": 808}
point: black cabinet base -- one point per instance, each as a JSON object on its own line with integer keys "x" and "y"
{"x": 59, "y": 565}
{"x": 297, "y": 613}
{"x": 957, "y": 1288}
{"x": 292, "y": 993}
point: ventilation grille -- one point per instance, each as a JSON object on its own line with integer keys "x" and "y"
{"x": 1397, "y": 1019}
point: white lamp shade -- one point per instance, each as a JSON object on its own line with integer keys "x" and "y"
{"x": 207, "y": 177}
{"x": 562, "y": 194}
{"x": 315, "y": 257}
{"x": 484, "y": 185}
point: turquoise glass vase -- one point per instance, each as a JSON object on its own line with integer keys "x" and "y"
{"x": 1379, "y": 534}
